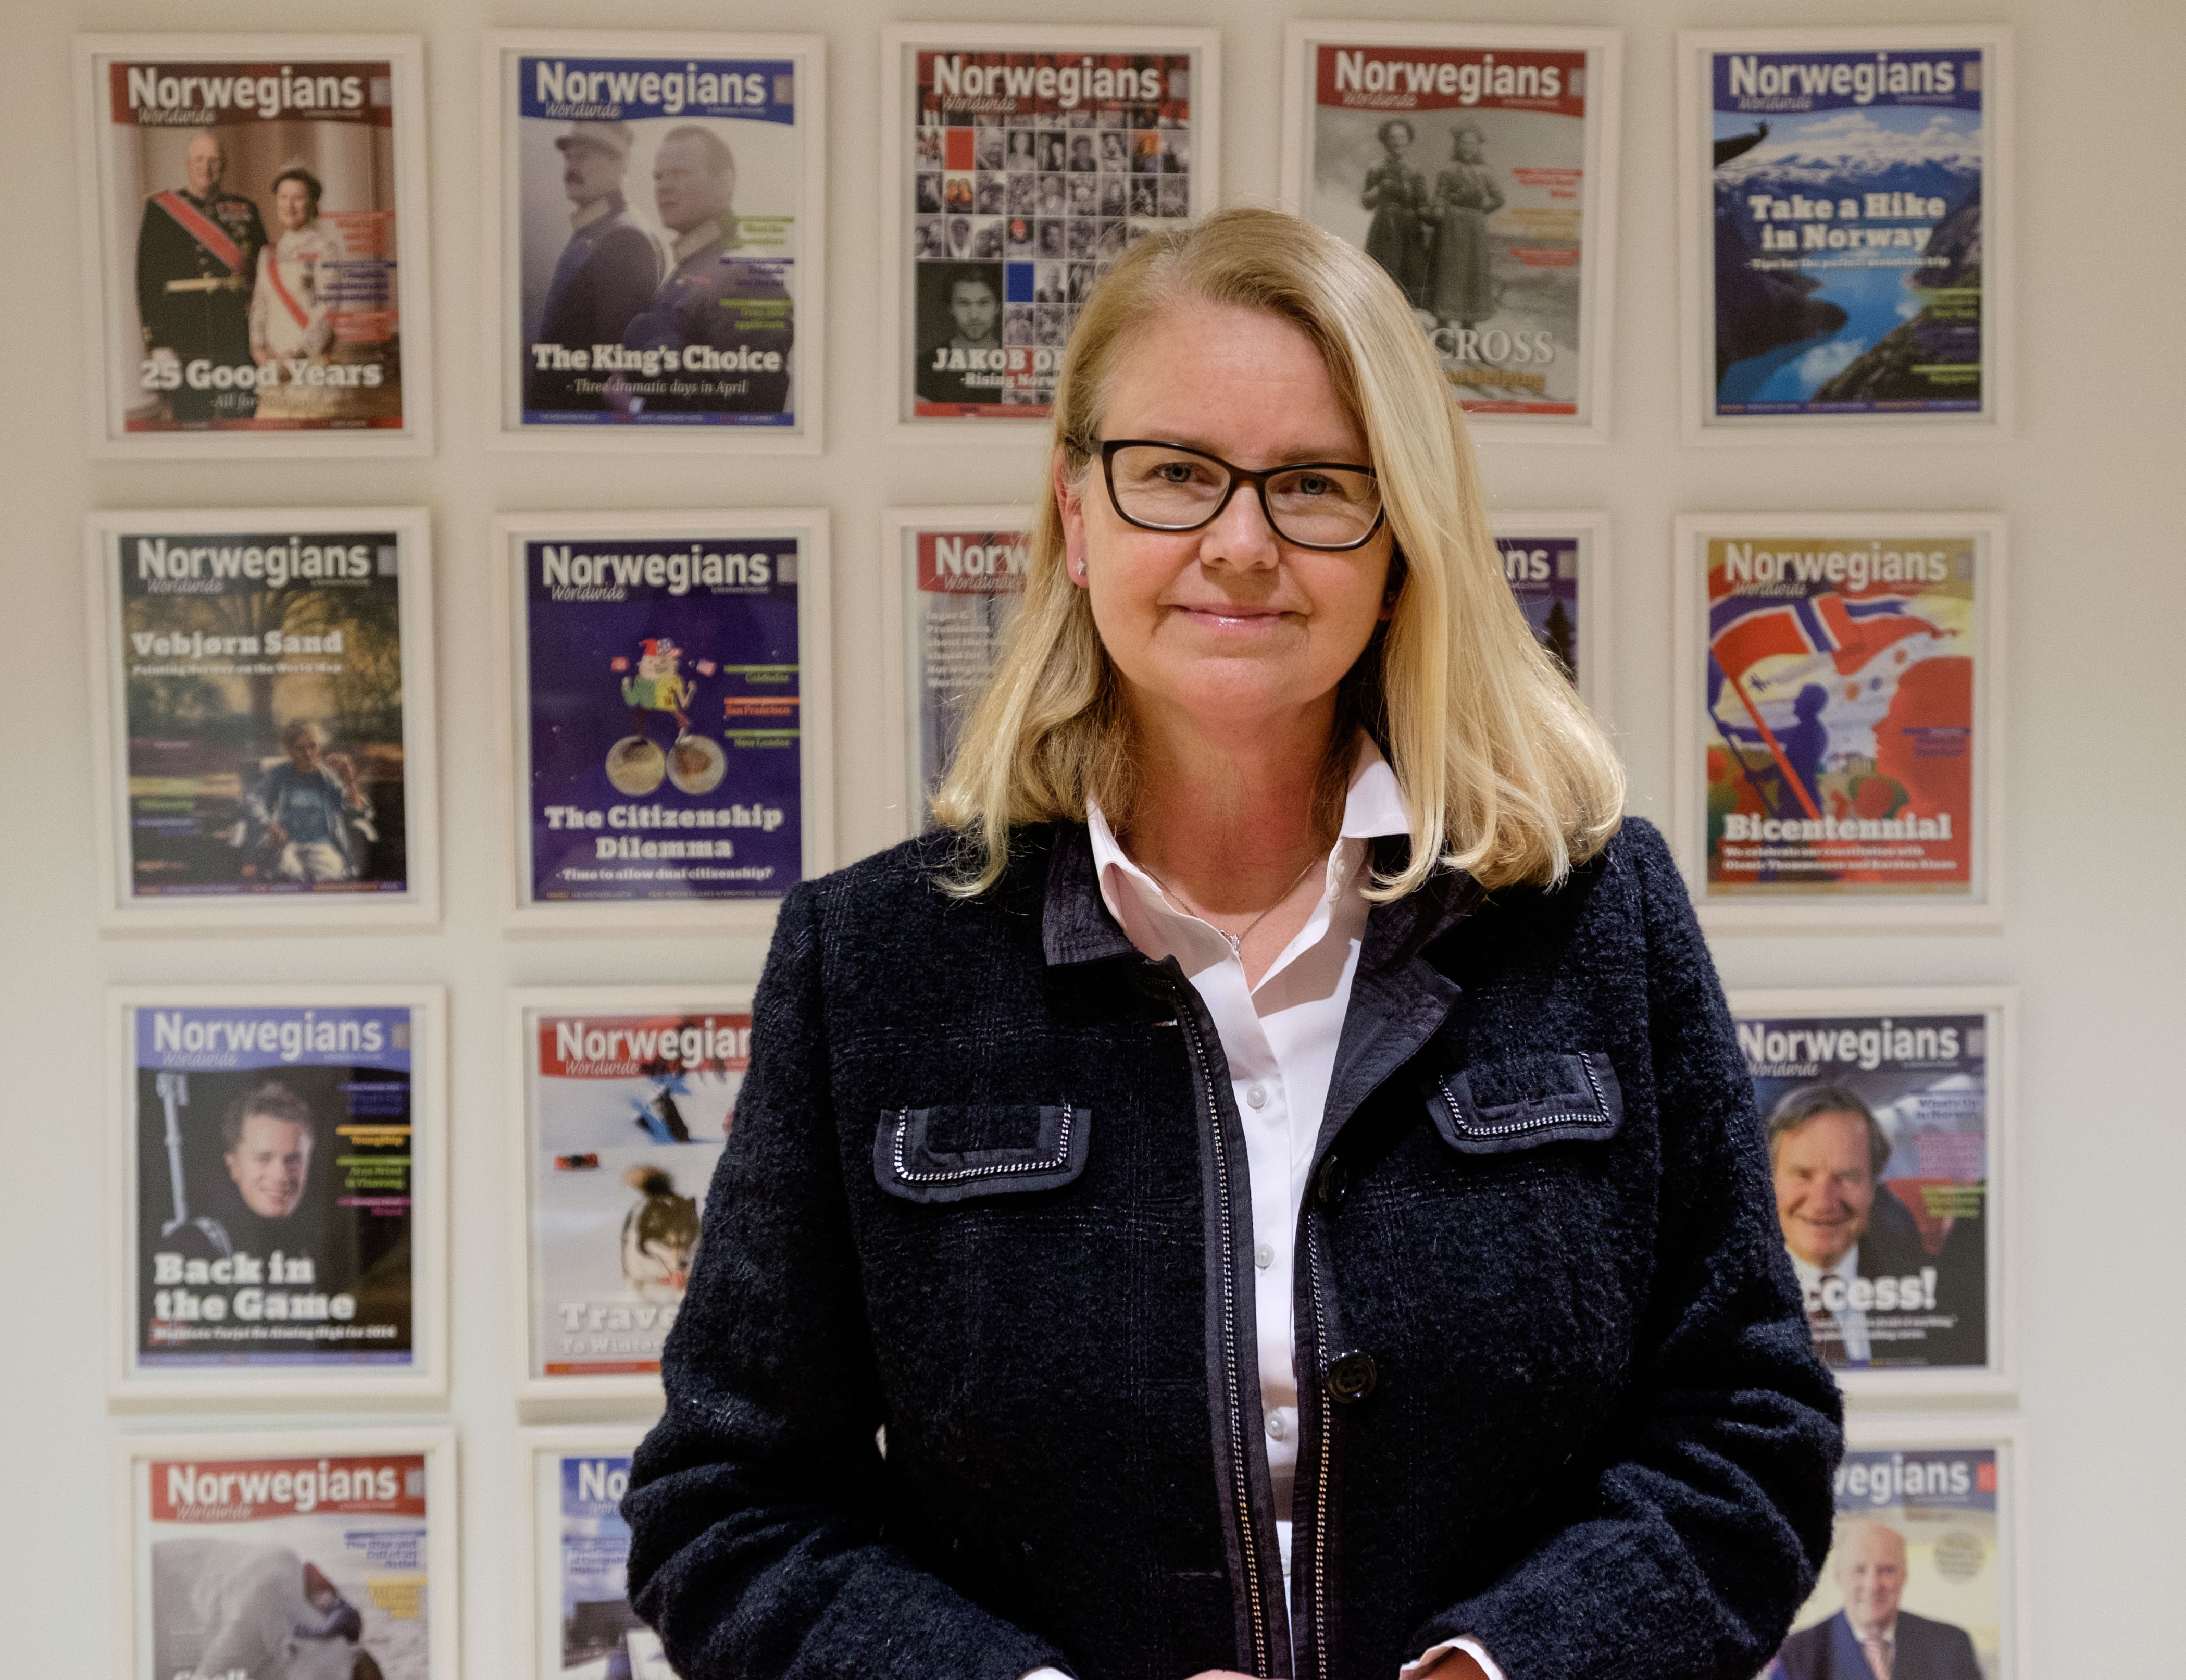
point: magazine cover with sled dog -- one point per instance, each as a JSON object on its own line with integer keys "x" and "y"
{"x": 626, "y": 1098}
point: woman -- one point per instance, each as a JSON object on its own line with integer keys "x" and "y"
{"x": 287, "y": 315}
{"x": 1460, "y": 288}
{"x": 1397, "y": 193}
{"x": 1271, "y": 1187}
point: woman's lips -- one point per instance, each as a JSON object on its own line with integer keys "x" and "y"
{"x": 1229, "y": 617}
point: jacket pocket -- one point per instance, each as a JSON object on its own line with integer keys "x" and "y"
{"x": 1494, "y": 1107}
{"x": 950, "y": 1153}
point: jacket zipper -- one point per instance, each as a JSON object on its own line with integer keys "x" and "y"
{"x": 1327, "y": 1419}
{"x": 1232, "y": 1385}
{"x": 959, "y": 1174}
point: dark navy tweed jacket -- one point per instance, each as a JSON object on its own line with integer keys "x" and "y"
{"x": 986, "y": 1186}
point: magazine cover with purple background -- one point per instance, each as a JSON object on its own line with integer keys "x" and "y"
{"x": 659, "y": 684}
{"x": 1543, "y": 573}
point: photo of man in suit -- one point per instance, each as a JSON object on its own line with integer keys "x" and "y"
{"x": 1871, "y": 1638}
{"x": 1847, "y": 1233}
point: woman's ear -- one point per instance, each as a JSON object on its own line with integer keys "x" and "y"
{"x": 1071, "y": 505}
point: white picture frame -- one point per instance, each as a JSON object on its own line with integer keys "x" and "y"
{"x": 541, "y": 1453}
{"x": 121, "y": 909}
{"x": 719, "y": 1007}
{"x": 1589, "y": 422}
{"x": 900, "y": 45}
{"x": 134, "y": 1385}
{"x": 505, "y": 241}
{"x": 901, "y": 667}
{"x": 114, "y": 348}
{"x": 136, "y": 1458}
{"x": 1982, "y": 537}
{"x": 1700, "y": 422}
{"x": 1943, "y": 1567}
{"x": 1589, "y": 530}
{"x": 523, "y": 911}
{"x": 1903, "y": 1007}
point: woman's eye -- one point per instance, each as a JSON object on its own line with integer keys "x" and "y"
{"x": 1313, "y": 484}
{"x": 1175, "y": 472}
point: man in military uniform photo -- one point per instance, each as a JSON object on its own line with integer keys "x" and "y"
{"x": 197, "y": 254}
{"x": 731, "y": 316}
{"x": 607, "y": 273}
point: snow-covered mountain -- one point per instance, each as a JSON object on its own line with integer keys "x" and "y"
{"x": 1849, "y": 151}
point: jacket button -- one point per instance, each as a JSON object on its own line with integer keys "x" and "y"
{"x": 1351, "y": 1378}
{"x": 1328, "y": 1188}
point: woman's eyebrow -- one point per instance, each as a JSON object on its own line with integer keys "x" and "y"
{"x": 1331, "y": 454}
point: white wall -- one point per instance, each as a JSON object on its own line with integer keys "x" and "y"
{"x": 2090, "y": 483}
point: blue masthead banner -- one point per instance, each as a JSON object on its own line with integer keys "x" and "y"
{"x": 612, "y": 90}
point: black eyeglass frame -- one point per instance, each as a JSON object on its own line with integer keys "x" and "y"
{"x": 1108, "y": 449}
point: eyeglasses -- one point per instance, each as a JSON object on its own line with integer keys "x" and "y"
{"x": 1327, "y": 505}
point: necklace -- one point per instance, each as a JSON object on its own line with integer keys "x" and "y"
{"x": 1236, "y": 940}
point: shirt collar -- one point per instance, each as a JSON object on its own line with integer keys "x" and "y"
{"x": 594, "y": 210}
{"x": 1811, "y": 1275}
{"x": 1373, "y": 805}
{"x": 688, "y": 245}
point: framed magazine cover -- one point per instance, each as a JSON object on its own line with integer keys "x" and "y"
{"x": 1017, "y": 162}
{"x": 956, "y": 579}
{"x": 574, "y": 1603}
{"x": 1931, "y": 1536}
{"x": 1845, "y": 207}
{"x": 1557, "y": 567}
{"x": 301, "y": 1551}
{"x": 656, "y": 241}
{"x": 1839, "y": 735}
{"x": 263, "y": 726}
{"x": 1477, "y": 164}
{"x": 277, "y": 1169}
{"x": 1893, "y": 1143}
{"x": 621, "y": 1098}
{"x": 255, "y": 241}
{"x": 667, "y": 713}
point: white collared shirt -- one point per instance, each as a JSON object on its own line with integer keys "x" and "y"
{"x": 1851, "y": 1323}
{"x": 1279, "y": 1040}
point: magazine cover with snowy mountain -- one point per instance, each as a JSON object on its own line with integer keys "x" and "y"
{"x": 1838, "y": 742}
{"x": 1850, "y": 226}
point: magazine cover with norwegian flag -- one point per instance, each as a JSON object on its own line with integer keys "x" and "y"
{"x": 1838, "y": 720}
{"x": 254, "y": 207}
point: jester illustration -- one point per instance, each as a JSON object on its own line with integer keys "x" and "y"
{"x": 636, "y": 765}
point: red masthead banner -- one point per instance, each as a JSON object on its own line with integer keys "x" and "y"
{"x": 165, "y": 94}
{"x": 255, "y": 1490}
{"x": 1399, "y": 79}
{"x": 972, "y": 562}
{"x": 626, "y": 1046}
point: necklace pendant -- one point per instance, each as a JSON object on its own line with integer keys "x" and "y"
{"x": 1237, "y": 943}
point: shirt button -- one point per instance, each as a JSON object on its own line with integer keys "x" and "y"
{"x": 1277, "y": 1425}
{"x": 1256, "y": 1095}
{"x": 1264, "y": 1255}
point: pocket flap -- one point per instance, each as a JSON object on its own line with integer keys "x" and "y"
{"x": 1493, "y": 1107}
{"x": 948, "y": 1154}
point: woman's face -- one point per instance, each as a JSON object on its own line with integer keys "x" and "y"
{"x": 1467, "y": 146}
{"x": 1397, "y": 140}
{"x": 1227, "y": 626}
{"x": 292, "y": 203}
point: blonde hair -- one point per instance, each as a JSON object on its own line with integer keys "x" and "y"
{"x": 1504, "y": 774}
